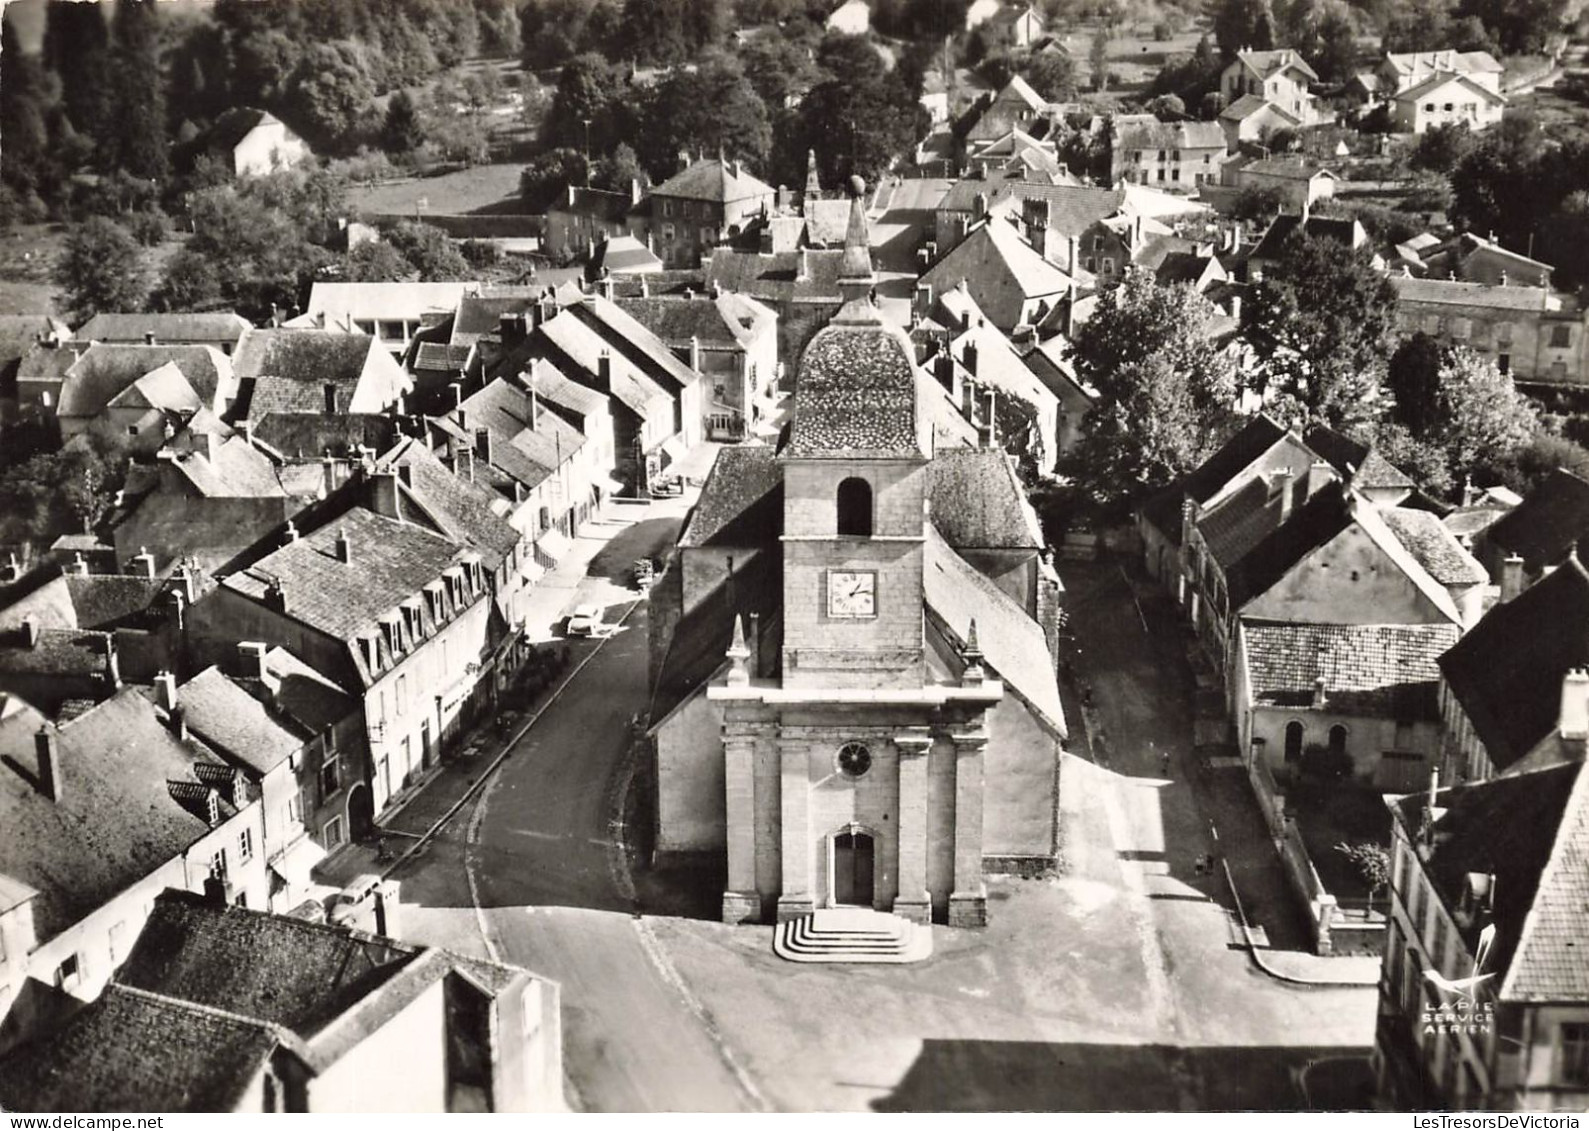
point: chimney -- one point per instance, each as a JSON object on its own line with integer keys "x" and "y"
{"x": 79, "y": 566}
{"x": 1511, "y": 577}
{"x": 112, "y": 663}
{"x": 142, "y": 564}
{"x": 178, "y": 720}
{"x": 30, "y": 631}
{"x": 923, "y": 299}
{"x": 1319, "y": 697}
{"x": 344, "y": 548}
{"x": 48, "y": 747}
{"x": 1235, "y": 306}
{"x": 290, "y": 535}
{"x": 605, "y": 285}
{"x": 251, "y": 659}
{"x": 276, "y": 596}
{"x": 738, "y": 656}
{"x": 456, "y": 388}
{"x": 943, "y": 368}
{"x": 1281, "y": 484}
{"x": 1574, "y": 716}
{"x": 803, "y": 268}
{"x": 461, "y": 418}
{"x": 148, "y": 338}
{"x": 604, "y": 371}
{"x": 179, "y": 604}
{"x": 968, "y": 358}
{"x": 165, "y": 685}
{"x": 331, "y": 398}
{"x": 482, "y": 444}
{"x": 695, "y": 353}
{"x": 979, "y": 206}
{"x": 212, "y": 447}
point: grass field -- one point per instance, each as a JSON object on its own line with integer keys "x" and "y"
{"x": 27, "y": 257}
{"x": 482, "y": 189}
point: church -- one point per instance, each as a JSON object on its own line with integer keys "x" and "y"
{"x": 853, "y": 650}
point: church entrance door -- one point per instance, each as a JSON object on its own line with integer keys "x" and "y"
{"x": 852, "y": 869}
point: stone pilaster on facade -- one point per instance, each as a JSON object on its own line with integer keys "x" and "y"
{"x": 968, "y": 903}
{"x": 795, "y": 899}
{"x": 913, "y": 902}
{"x": 741, "y": 903}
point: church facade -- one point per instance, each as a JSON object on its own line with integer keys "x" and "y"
{"x": 845, "y": 707}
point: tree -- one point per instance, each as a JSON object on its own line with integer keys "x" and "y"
{"x": 77, "y": 47}
{"x": 1256, "y": 204}
{"x": 1483, "y": 418}
{"x": 545, "y": 177}
{"x": 1319, "y": 324}
{"x": 1413, "y": 378}
{"x": 1335, "y": 48}
{"x": 1098, "y": 58}
{"x": 708, "y": 111}
{"x": 587, "y": 105}
{"x": 374, "y": 261}
{"x": 62, "y": 492}
{"x": 101, "y": 269}
{"x": 1520, "y": 26}
{"x": 1529, "y": 466}
{"x": 672, "y": 31}
{"x": 619, "y": 171}
{"x": 857, "y": 125}
{"x": 1165, "y": 389}
{"x": 1052, "y": 74}
{"x": 1442, "y": 147}
{"x": 27, "y": 97}
{"x": 402, "y": 132}
{"x": 777, "y": 67}
{"x": 1167, "y": 107}
{"x": 138, "y": 137}
{"x": 1237, "y": 25}
{"x": 428, "y": 251}
{"x": 1372, "y": 862}
{"x": 331, "y": 95}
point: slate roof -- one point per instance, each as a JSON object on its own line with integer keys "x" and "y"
{"x": 1311, "y": 525}
{"x": 213, "y": 531}
{"x": 1456, "y": 292}
{"x": 714, "y": 180}
{"x": 810, "y": 276}
{"x": 302, "y": 694}
{"x": 482, "y": 314}
{"x": 1286, "y": 169}
{"x": 1266, "y": 63}
{"x": 1249, "y": 104}
{"x": 528, "y": 455}
{"x": 116, "y": 820}
{"x": 583, "y": 347}
{"x": 1547, "y": 524}
{"x": 1341, "y": 229}
{"x": 977, "y": 501}
{"x": 1411, "y": 62}
{"x": 390, "y": 562}
{"x": 105, "y": 601}
{"x": 826, "y": 222}
{"x": 57, "y": 652}
{"x": 1254, "y": 438}
{"x": 1369, "y": 670}
{"x": 1171, "y": 135}
{"x": 1002, "y": 271}
{"x": 1358, "y": 465}
{"x": 340, "y": 303}
{"x": 313, "y": 434}
{"x": 272, "y": 968}
{"x": 467, "y": 513}
{"x": 856, "y": 391}
{"x": 1526, "y": 831}
{"x": 104, "y": 370}
{"x": 1072, "y": 209}
{"x": 238, "y": 471}
{"x": 552, "y": 385}
{"x": 307, "y": 357}
{"x": 1440, "y": 81}
{"x": 727, "y": 321}
{"x": 134, "y": 1051}
{"x": 628, "y": 336}
{"x": 172, "y": 329}
{"x": 162, "y": 388}
{"x": 742, "y": 475}
{"x": 1012, "y": 643}
{"x": 226, "y": 716}
{"x": 1245, "y": 519}
{"x": 441, "y": 357}
{"x": 1434, "y": 546}
{"x": 1506, "y": 672}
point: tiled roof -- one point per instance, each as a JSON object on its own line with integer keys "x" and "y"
{"x": 1012, "y": 643}
{"x": 1249, "y": 104}
{"x": 162, "y": 388}
{"x": 1441, "y": 81}
{"x": 302, "y": 694}
{"x": 1519, "y": 829}
{"x": 104, "y": 370}
{"x": 856, "y": 391}
{"x": 1019, "y": 90}
{"x": 977, "y": 502}
{"x": 792, "y": 276}
{"x": 235, "y": 723}
{"x": 340, "y": 303}
{"x": 1245, "y": 519}
{"x": 1285, "y": 169}
{"x": 105, "y": 601}
{"x": 1266, "y": 63}
{"x": 676, "y": 321}
{"x": 1412, "y": 62}
{"x": 1072, "y": 209}
{"x": 212, "y": 531}
{"x": 1369, "y": 670}
{"x": 482, "y": 314}
{"x": 1255, "y": 438}
{"x": 115, "y": 821}
{"x": 1357, "y": 464}
{"x": 1547, "y": 524}
{"x": 389, "y": 562}
{"x": 626, "y": 334}
{"x": 441, "y": 357}
{"x": 1311, "y": 525}
{"x": 238, "y": 471}
{"x": 554, "y": 386}
{"x": 713, "y": 180}
{"x": 135, "y": 1051}
{"x": 741, "y": 476}
{"x": 1549, "y": 965}
{"x": 826, "y": 222}
{"x": 1434, "y": 546}
{"x": 1002, "y": 271}
{"x": 1506, "y": 672}
{"x": 310, "y": 358}
{"x": 284, "y": 971}
{"x": 524, "y": 453}
{"x": 466, "y": 512}
{"x": 1456, "y": 292}
{"x": 216, "y": 326}
{"x": 1172, "y": 135}
{"x": 1338, "y": 228}
{"x": 57, "y": 652}
{"x": 583, "y": 349}
{"x": 312, "y": 434}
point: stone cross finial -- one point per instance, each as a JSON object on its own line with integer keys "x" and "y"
{"x": 972, "y": 654}
{"x": 739, "y": 656}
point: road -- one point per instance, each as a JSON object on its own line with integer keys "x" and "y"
{"x": 531, "y": 867}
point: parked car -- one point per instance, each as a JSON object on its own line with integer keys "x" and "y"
{"x": 584, "y": 621}
{"x": 349, "y": 902}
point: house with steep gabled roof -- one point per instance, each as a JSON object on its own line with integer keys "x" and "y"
{"x": 1175, "y": 156}
{"x": 1538, "y": 534}
{"x": 283, "y": 370}
{"x": 1399, "y": 71}
{"x": 101, "y": 813}
{"x": 1008, "y": 278}
{"x": 1279, "y": 77}
{"x": 1487, "y": 921}
{"x": 1446, "y": 98}
{"x": 135, "y": 391}
{"x": 223, "y": 329}
{"x": 1252, "y": 117}
{"x": 709, "y": 202}
{"x": 242, "y": 1010}
{"x": 249, "y": 142}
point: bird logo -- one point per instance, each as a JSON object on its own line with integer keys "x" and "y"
{"x": 1464, "y": 989}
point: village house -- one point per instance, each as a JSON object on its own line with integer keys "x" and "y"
{"x": 1007, "y": 278}
{"x": 397, "y": 616}
{"x": 710, "y": 202}
{"x": 1509, "y": 717}
{"x": 1472, "y": 259}
{"x": 582, "y": 217}
{"x": 1299, "y": 185}
{"x": 1270, "y": 248}
{"x": 316, "y": 371}
{"x": 1536, "y": 535}
{"x": 165, "y": 811}
{"x": 1483, "y": 1003}
{"x": 1400, "y": 71}
{"x": 1532, "y": 333}
{"x": 1253, "y": 119}
{"x": 1446, "y": 99}
{"x": 248, "y": 142}
{"x": 1016, "y": 107}
{"x": 1177, "y": 156}
{"x": 1015, "y": 26}
{"x": 1075, "y": 397}
{"x": 134, "y": 393}
{"x": 1280, "y": 78}
{"x": 222, "y": 329}
{"x": 392, "y": 313}
{"x": 296, "y": 738}
{"x": 228, "y": 1009}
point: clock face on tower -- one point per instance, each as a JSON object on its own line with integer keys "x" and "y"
{"x": 852, "y": 593}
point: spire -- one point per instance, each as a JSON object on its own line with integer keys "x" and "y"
{"x": 855, "y": 269}
{"x": 972, "y": 655}
{"x": 739, "y": 656}
{"x": 813, "y": 182}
